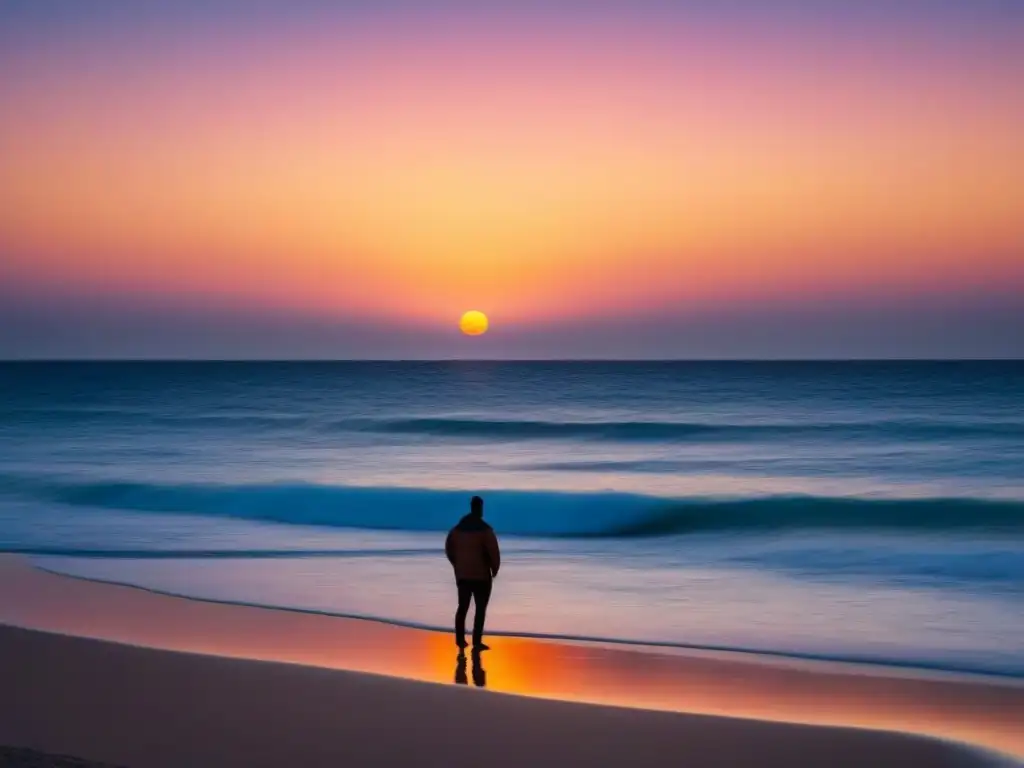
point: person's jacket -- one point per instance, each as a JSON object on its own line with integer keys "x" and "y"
{"x": 472, "y": 549}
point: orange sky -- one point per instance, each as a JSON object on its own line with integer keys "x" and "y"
{"x": 373, "y": 168}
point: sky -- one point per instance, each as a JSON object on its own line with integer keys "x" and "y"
{"x": 753, "y": 179}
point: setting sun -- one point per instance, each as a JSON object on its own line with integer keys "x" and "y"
{"x": 474, "y": 323}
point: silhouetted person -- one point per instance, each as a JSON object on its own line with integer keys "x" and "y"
{"x": 472, "y": 549}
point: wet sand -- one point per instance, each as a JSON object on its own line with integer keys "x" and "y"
{"x": 167, "y": 681}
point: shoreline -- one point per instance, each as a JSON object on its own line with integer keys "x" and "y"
{"x": 796, "y": 701}
{"x": 781, "y": 658}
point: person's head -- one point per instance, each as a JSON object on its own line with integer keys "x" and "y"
{"x": 476, "y": 507}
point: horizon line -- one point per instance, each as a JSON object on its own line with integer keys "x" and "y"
{"x": 329, "y": 360}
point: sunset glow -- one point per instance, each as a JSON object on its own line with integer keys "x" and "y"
{"x": 354, "y": 166}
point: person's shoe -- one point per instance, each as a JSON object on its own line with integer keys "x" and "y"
{"x": 478, "y": 647}
{"x": 461, "y": 644}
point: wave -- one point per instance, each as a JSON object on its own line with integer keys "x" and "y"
{"x": 527, "y": 513}
{"x": 669, "y": 430}
{"x": 222, "y": 419}
{"x": 517, "y": 429}
{"x": 526, "y": 429}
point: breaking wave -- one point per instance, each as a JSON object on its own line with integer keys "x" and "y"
{"x": 530, "y": 513}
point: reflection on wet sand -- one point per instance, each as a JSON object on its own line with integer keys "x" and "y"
{"x": 975, "y": 710}
{"x": 479, "y": 673}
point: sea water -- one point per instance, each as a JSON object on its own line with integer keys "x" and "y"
{"x": 860, "y": 510}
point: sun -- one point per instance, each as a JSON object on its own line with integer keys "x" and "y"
{"x": 474, "y": 323}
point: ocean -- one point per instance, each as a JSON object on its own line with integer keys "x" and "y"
{"x": 863, "y": 511}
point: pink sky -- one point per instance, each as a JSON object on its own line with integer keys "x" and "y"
{"x": 400, "y": 171}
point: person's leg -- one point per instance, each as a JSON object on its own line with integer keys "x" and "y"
{"x": 481, "y": 596}
{"x": 465, "y": 595}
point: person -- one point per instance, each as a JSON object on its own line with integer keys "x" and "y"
{"x": 472, "y": 549}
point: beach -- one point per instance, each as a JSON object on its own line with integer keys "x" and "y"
{"x": 703, "y": 564}
{"x": 128, "y": 677}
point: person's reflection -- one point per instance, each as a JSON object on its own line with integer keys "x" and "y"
{"x": 479, "y": 673}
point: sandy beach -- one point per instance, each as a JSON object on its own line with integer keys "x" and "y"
{"x": 130, "y": 678}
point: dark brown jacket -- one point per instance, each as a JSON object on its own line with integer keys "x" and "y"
{"x": 472, "y": 549}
